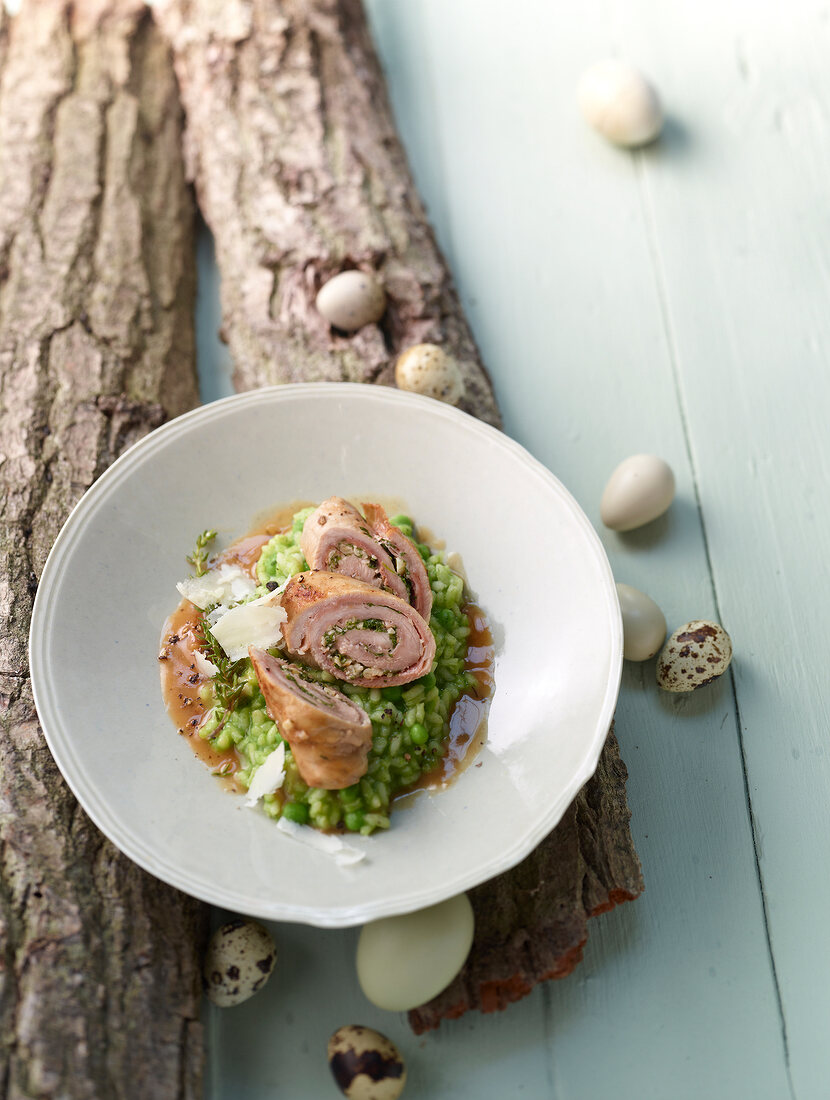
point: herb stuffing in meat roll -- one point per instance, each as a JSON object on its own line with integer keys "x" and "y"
{"x": 409, "y": 565}
{"x": 355, "y": 632}
{"x": 337, "y": 539}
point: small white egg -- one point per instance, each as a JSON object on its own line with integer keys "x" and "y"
{"x": 239, "y": 959}
{"x": 644, "y": 624}
{"x": 639, "y": 490}
{"x": 427, "y": 369}
{"x": 351, "y": 300}
{"x": 403, "y": 962}
{"x": 365, "y": 1064}
{"x": 619, "y": 103}
{"x": 696, "y": 654}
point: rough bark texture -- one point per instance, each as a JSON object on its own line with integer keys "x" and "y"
{"x": 532, "y": 923}
{"x": 299, "y": 173}
{"x": 99, "y": 983}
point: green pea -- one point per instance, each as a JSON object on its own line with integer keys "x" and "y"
{"x": 206, "y": 731}
{"x": 222, "y": 742}
{"x": 419, "y": 734}
{"x": 393, "y": 694}
{"x": 401, "y": 521}
{"x": 446, "y": 617}
{"x": 354, "y": 821}
{"x": 296, "y": 811}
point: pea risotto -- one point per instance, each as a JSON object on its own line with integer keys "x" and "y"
{"x": 328, "y": 667}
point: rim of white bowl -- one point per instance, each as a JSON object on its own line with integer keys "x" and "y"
{"x": 173, "y": 874}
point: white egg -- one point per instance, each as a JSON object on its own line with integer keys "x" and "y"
{"x": 351, "y": 300}
{"x": 644, "y": 624}
{"x": 365, "y": 1064}
{"x": 403, "y": 962}
{"x": 639, "y": 490}
{"x": 427, "y": 369}
{"x": 239, "y": 959}
{"x": 696, "y": 654}
{"x": 618, "y": 102}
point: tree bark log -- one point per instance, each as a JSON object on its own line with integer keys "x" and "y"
{"x": 99, "y": 975}
{"x": 299, "y": 172}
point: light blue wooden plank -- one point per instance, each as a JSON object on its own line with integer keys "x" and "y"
{"x": 275, "y": 1044}
{"x": 546, "y": 230}
{"x": 744, "y": 254}
{"x": 553, "y": 239}
{"x": 213, "y": 357}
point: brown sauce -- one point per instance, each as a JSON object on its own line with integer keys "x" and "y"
{"x": 275, "y": 521}
{"x": 180, "y": 683}
{"x": 180, "y": 677}
{"x": 468, "y": 718}
{"x": 181, "y": 680}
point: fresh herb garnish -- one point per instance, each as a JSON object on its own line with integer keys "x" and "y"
{"x": 198, "y": 559}
{"x": 228, "y": 683}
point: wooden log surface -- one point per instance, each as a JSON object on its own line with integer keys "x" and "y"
{"x": 299, "y": 172}
{"x": 99, "y": 978}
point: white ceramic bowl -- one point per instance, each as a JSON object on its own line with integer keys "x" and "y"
{"x": 532, "y": 558}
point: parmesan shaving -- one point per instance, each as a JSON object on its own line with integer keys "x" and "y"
{"x": 204, "y": 667}
{"x": 257, "y": 623}
{"x": 225, "y": 585}
{"x": 345, "y": 855}
{"x": 268, "y": 777}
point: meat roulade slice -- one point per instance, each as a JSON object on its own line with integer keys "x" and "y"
{"x": 336, "y": 538}
{"x": 408, "y": 562}
{"x": 330, "y": 736}
{"x": 354, "y": 631}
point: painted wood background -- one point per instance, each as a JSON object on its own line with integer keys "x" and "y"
{"x": 674, "y": 301}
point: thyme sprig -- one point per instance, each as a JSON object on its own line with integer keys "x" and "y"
{"x": 198, "y": 559}
{"x": 228, "y": 683}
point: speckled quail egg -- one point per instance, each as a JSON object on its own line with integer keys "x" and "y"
{"x": 351, "y": 300}
{"x": 405, "y": 961}
{"x": 696, "y": 654}
{"x": 619, "y": 103}
{"x": 239, "y": 959}
{"x": 365, "y": 1064}
{"x": 644, "y": 624}
{"x": 639, "y": 490}
{"x": 427, "y": 369}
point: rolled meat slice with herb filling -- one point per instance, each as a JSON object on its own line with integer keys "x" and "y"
{"x": 408, "y": 562}
{"x": 337, "y": 539}
{"x": 330, "y": 736}
{"x": 354, "y": 631}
